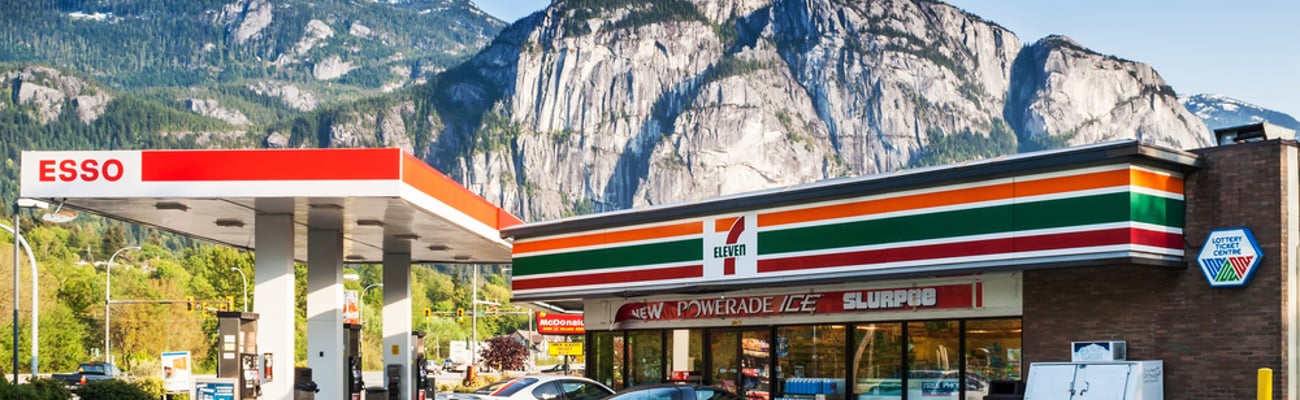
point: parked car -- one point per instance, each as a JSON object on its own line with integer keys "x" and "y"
{"x": 87, "y": 372}
{"x": 675, "y": 391}
{"x": 536, "y": 387}
{"x": 560, "y": 369}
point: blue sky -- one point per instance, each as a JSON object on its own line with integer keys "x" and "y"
{"x": 1246, "y": 49}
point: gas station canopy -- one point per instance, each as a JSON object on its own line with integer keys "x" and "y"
{"x": 384, "y": 196}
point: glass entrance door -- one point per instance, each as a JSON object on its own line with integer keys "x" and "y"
{"x": 742, "y": 362}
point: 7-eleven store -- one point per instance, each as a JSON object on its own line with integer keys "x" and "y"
{"x": 934, "y": 283}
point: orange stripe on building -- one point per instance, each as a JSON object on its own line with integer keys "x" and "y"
{"x": 1003, "y": 191}
{"x": 1157, "y": 181}
{"x": 433, "y": 183}
{"x": 723, "y": 224}
{"x": 656, "y": 232}
{"x": 892, "y": 204}
{"x": 1072, "y": 183}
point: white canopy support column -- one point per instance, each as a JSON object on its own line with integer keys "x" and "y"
{"x": 397, "y": 314}
{"x": 325, "y": 347}
{"x": 274, "y": 294}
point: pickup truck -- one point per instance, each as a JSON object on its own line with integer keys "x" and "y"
{"x": 87, "y": 372}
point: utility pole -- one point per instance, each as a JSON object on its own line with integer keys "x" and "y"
{"x": 473, "y": 344}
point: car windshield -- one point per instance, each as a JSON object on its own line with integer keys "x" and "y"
{"x": 92, "y": 369}
{"x": 506, "y": 387}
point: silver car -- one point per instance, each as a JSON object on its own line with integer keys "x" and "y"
{"x": 536, "y": 387}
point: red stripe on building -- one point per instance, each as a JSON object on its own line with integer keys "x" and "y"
{"x": 270, "y": 165}
{"x": 1173, "y": 241}
{"x": 1058, "y": 241}
{"x": 605, "y": 278}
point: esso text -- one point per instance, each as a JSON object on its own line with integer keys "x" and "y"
{"x": 88, "y": 170}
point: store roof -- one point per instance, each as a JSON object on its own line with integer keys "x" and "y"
{"x": 1131, "y": 150}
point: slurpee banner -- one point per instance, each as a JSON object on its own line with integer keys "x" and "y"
{"x": 560, "y": 324}
{"x": 957, "y": 296}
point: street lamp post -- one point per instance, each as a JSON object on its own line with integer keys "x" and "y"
{"x": 361, "y": 302}
{"x": 108, "y": 299}
{"x": 19, "y": 242}
{"x": 473, "y": 346}
{"x": 245, "y": 279}
{"x": 17, "y": 239}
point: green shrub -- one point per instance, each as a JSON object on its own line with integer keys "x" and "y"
{"x": 113, "y": 390}
{"x": 49, "y": 389}
{"x": 39, "y": 389}
{"x": 154, "y": 386}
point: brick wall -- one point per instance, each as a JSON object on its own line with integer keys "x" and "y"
{"x": 1212, "y": 340}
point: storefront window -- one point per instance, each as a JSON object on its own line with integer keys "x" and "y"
{"x": 878, "y": 361}
{"x": 756, "y": 371}
{"x": 810, "y": 359}
{"x": 992, "y": 353}
{"x": 645, "y": 356}
{"x": 725, "y": 347}
{"x": 686, "y": 355}
{"x": 884, "y": 361}
{"x": 933, "y": 358}
{"x": 741, "y": 362}
{"x": 605, "y": 359}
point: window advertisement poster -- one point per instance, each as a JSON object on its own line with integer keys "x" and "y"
{"x": 351, "y": 314}
{"x": 176, "y": 371}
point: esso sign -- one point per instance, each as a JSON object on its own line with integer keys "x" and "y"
{"x": 84, "y": 170}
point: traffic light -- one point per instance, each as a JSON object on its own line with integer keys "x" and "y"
{"x": 428, "y": 314}
{"x": 460, "y": 315}
{"x": 230, "y": 303}
{"x": 189, "y": 304}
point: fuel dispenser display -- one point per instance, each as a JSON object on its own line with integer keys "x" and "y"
{"x": 238, "y": 357}
{"x": 352, "y": 344}
{"x": 394, "y": 373}
{"x": 419, "y": 367}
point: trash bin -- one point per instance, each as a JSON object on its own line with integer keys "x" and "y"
{"x": 376, "y": 393}
{"x": 303, "y": 387}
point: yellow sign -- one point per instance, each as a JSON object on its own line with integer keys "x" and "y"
{"x": 564, "y": 349}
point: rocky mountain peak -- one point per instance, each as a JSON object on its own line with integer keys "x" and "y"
{"x": 1067, "y": 94}
{"x": 1220, "y": 111}
{"x": 618, "y": 104}
{"x": 49, "y": 90}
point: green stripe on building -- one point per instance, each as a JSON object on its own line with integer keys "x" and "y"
{"x": 1056, "y": 213}
{"x": 678, "y": 251}
{"x": 1006, "y": 218}
{"x": 1157, "y": 210}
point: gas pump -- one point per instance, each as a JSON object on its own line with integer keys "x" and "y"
{"x": 355, "y": 387}
{"x": 239, "y": 357}
{"x": 419, "y": 367}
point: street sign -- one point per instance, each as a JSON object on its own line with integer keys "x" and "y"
{"x": 564, "y": 349}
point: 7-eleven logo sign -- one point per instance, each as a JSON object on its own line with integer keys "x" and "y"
{"x": 1229, "y": 257}
{"x": 729, "y": 247}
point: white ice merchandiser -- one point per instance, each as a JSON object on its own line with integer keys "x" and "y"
{"x": 1101, "y": 380}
